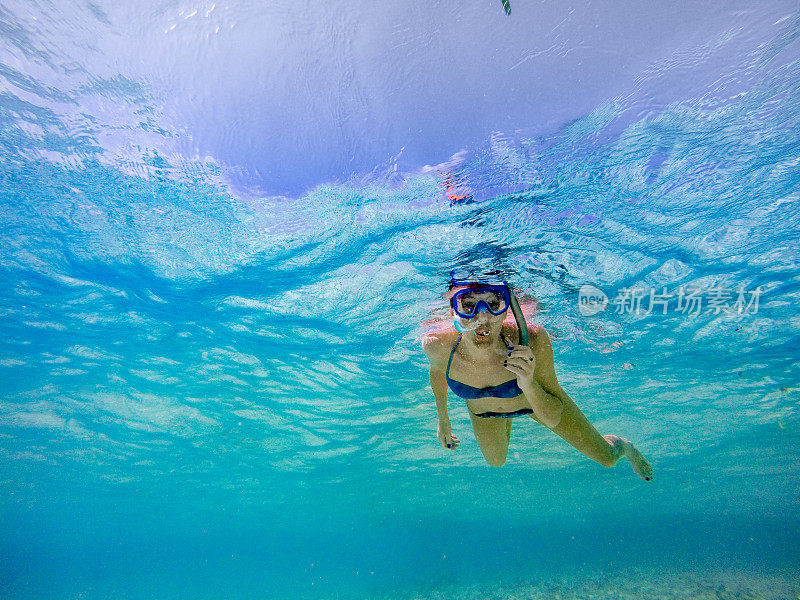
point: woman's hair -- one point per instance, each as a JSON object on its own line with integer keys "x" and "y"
{"x": 474, "y": 285}
{"x": 476, "y": 279}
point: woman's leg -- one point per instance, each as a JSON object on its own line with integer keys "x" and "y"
{"x": 576, "y": 429}
{"x": 493, "y": 435}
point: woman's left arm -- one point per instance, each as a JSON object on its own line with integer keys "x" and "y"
{"x": 536, "y": 376}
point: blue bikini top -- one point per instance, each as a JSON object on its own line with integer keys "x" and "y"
{"x": 508, "y": 389}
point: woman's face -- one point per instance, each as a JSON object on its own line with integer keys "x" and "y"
{"x": 484, "y": 326}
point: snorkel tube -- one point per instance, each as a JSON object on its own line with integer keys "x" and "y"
{"x": 522, "y": 326}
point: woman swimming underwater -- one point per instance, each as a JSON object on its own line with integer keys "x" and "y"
{"x": 475, "y": 362}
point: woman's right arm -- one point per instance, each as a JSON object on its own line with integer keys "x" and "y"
{"x": 432, "y": 348}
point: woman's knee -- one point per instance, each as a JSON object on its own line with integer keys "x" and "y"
{"x": 495, "y": 457}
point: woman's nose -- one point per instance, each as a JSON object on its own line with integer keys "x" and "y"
{"x": 483, "y": 314}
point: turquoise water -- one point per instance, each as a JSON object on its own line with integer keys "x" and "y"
{"x": 211, "y": 386}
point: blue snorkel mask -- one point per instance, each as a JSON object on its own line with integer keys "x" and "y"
{"x": 495, "y": 299}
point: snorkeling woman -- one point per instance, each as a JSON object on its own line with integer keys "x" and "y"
{"x": 475, "y": 362}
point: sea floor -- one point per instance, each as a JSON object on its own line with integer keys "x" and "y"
{"x": 652, "y": 585}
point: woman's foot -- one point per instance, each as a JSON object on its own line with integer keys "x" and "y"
{"x": 625, "y": 448}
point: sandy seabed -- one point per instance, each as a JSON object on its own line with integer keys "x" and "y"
{"x": 652, "y": 585}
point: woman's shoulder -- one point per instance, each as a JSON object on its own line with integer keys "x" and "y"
{"x": 437, "y": 345}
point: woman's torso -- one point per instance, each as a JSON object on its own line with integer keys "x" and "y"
{"x": 487, "y": 373}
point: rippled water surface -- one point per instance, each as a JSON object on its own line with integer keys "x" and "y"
{"x": 224, "y": 227}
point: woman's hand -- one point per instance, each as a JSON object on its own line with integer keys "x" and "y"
{"x": 446, "y": 437}
{"x": 522, "y": 363}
